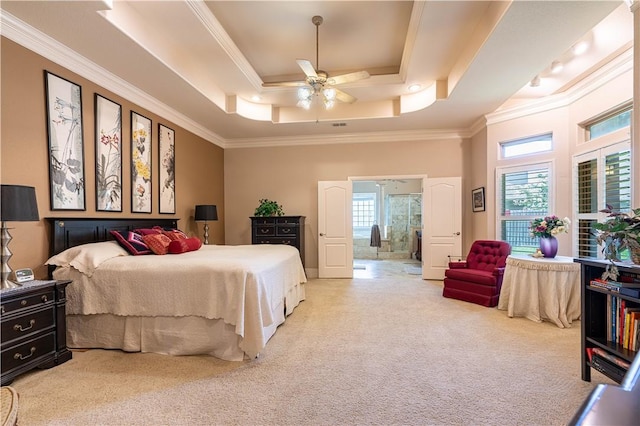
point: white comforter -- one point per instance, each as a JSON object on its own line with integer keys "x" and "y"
{"x": 243, "y": 285}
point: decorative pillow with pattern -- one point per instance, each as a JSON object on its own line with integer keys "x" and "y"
{"x": 175, "y": 234}
{"x": 148, "y": 231}
{"x": 132, "y": 242}
{"x": 184, "y": 245}
{"x": 158, "y": 243}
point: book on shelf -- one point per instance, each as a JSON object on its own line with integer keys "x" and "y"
{"x": 631, "y": 290}
{"x": 610, "y": 357}
{"x": 623, "y": 322}
{"x": 607, "y": 367}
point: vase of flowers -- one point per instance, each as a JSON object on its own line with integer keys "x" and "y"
{"x": 546, "y": 228}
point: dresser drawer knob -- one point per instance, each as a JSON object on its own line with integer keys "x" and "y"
{"x": 18, "y": 355}
{"x": 45, "y": 299}
{"x": 23, "y": 303}
{"x": 264, "y": 231}
{"x": 2, "y": 309}
{"x": 286, "y": 230}
{"x": 18, "y": 327}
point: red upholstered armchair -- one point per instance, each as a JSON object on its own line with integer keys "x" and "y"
{"x": 479, "y": 278}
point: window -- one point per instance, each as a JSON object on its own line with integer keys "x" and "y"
{"x": 364, "y": 213}
{"x": 601, "y": 177}
{"x": 609, "y": 123}
{"x": 523, "y": 195}
{"x": 525, "y": 146}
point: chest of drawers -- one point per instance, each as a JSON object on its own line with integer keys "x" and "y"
{"x": 33, "y": 331}
{"x": 279, "y": 230}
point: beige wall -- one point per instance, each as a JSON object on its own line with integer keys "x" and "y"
{"x": 478, "y": 176}
{"x": 24, "y": 161}
{"x": 290, "y": 176}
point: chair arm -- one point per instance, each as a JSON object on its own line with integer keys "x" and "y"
{"x": 458, "y": 265}
{"x": 498, "y": 271}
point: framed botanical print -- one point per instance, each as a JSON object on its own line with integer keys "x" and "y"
{"x": 140, "y": 163}
{"x": 66, "y": 144}
{"x": 167, "y": 161}
{"x": 108, "y": 155}
{"x": 477, "y": 198}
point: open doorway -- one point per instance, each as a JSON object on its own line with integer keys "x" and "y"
{"x": 394, "y": 207}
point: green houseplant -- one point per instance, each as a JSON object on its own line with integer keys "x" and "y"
{"x": 619, "y": 232}
{"x": 268, "y": 208}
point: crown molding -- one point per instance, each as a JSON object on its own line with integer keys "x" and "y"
{"x": 45, "y": 46}
{"x": 373, "y": 137}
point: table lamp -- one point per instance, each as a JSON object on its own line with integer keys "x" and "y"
{"x": 18, "y": 203}
{"x": 205, "y": 213}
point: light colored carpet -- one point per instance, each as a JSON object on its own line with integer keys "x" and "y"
{"x": 356, "y": 352}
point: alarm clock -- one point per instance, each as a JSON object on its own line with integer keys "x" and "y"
{"x": 23, "y": 275}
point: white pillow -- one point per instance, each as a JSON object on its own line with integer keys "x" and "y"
{"x": 87, "y": 257}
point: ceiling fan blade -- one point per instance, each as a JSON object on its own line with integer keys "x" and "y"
{"x": 285, "y": 84}
{"x": 347, "y": 78}
{"x": 344, "y": 97}
{"x": 307, "y": 68}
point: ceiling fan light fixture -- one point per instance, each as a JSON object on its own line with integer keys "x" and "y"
{"x": 305, "y": 103}
{"x": 329, "y": 94}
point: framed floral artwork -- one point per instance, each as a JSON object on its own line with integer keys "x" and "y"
{"x": 108, "y": 155}
{"x": 167, "y": 160}
{"x": 66, "y": 144}
{"x": 140, "y": 163}
{"x": 477, "y": 199}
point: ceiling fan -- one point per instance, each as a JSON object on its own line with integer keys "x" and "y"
{"x": 318, "y": 82}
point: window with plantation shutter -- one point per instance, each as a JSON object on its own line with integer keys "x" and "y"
{"x": 601, "y": 177}
{"x": 523, "y": 195}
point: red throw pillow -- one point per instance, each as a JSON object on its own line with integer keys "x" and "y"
{"x": 175, "y": 234}
{"x": 131, "y": 242}
{"x": 148, "y": 231}
{"x": 184, "y": 245}
{"x": 158, "y": 243}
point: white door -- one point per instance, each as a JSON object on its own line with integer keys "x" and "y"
{"x": 442, "y": 233}
{"x": 335, "y": 229}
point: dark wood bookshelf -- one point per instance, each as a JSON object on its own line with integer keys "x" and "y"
{"x": 595, "y": 312}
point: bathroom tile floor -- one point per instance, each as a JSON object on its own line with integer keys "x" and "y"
{"x": 367, "y": 268}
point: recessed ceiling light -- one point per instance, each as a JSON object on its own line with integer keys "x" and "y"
{"x": 414, "y": 87}
{"x": 256, "y": 98}
{"x": 535, "y": 82}
{"x": 556, "y": 67}
{"x": 580, "y": 47}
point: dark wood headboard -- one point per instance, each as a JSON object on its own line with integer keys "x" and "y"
{"x": 71, "y": 232}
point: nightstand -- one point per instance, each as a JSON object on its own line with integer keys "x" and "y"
{"x": 33, "y": 329}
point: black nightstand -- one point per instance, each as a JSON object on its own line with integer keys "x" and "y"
{"x": 33, "y": 329}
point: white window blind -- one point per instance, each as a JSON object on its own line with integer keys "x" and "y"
{"x": 602, "y": 177}
{"x": 523, "y": 195}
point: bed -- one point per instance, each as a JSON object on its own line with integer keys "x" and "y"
{"x": 224, "y": 301}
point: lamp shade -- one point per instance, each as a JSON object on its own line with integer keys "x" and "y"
{"x": 18, "y": 204}
{"x": 206, "y": 212}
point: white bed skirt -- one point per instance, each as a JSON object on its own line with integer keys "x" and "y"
{"x": 189, "y": 335}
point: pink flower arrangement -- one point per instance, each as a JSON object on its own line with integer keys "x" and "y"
{"x": 549, "y": 226}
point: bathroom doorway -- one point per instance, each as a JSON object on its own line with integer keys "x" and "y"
{"x": 395, "y": 206}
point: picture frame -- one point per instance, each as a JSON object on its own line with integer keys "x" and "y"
{"x": 141, "y": 166}
{"x": 66, "y": 144}
{"x": 108, "y": 127}
{"x": 477, "y": 199}
{"x": 167, "y": 162}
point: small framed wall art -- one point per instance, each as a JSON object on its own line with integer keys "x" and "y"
{"x": 140, "y": 163}
{"x": 477, "y": 199}
{"x": 108, "y": 155}
{"x": 66, "y": 144}
{"x": 167, "y": 160}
